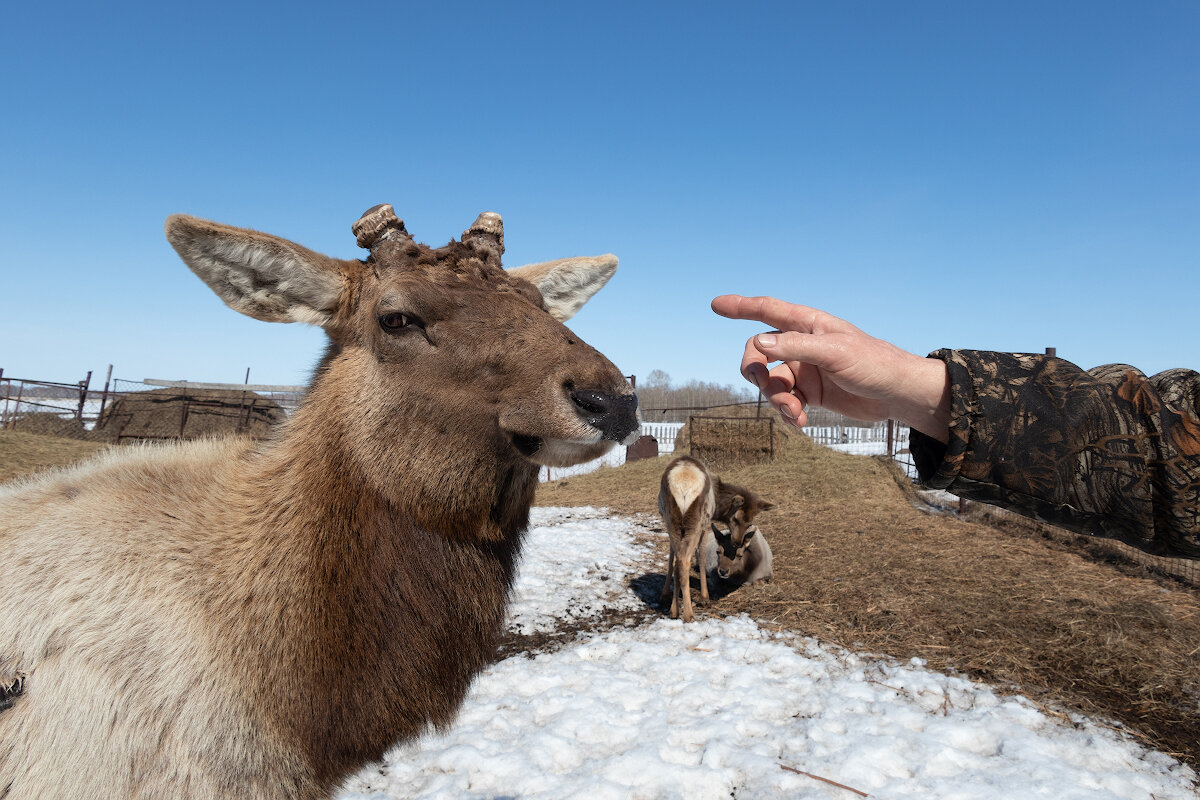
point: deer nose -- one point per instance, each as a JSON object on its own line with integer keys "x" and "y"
{"x": 615, "y": 416}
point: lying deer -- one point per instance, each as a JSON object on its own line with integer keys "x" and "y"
{"x": 742, "y": 564}
{"x": 258, "y": 620}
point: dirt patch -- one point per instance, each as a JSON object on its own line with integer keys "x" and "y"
{"x": 858, "y": 565}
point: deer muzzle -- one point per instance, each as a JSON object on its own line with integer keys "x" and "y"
{"x": 615, "y": 416}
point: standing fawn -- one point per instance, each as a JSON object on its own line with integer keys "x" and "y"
{"x": 686, "y": 503}
{"x": 258, "y": 620}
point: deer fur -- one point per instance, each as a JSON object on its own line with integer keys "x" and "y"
{"x": 742, "y": 564}
{"x": 685, "y": 503}
{"x": 230, "y": 618}
{"x": 737, "y": 507}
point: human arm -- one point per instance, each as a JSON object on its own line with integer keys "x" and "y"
{"x": 1106, "y": 452}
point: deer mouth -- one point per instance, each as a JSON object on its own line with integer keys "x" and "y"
{"x": 526, "y": 445}
{"x": 596, "y": 423}
{"x": 550, "y": 452}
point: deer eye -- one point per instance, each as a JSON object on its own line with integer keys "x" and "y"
{"x": 394, "y": 322}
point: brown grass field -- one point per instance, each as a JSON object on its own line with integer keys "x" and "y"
{"x": 859, "y": 564}
{"x": 24, "y": 453}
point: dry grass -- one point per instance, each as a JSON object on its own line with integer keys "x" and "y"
{"x": 24, "y": 453}
{"x": 857, "y": 564}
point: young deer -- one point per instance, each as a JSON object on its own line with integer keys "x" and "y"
{"x": 745, "y": 563}
{"x": 686, "y": 502}
{"x": 258, "y": 620}
{"x": 737, "y": 507}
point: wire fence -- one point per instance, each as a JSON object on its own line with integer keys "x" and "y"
{"x": 24, "y": 396}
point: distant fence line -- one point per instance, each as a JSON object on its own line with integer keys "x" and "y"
{"x": 81, "y": 401}
{"x": 86, "y": 403}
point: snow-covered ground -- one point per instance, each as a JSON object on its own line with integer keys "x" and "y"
{"x": 726, "y": 708}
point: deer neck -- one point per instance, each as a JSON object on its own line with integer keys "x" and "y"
{"x": 387, "y": 609}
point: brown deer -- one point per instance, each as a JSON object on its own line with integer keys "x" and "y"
{"x": 742, "y": 564}
{"x": 737, "y": 507}
{"x": 258, "y": 620}
{"x": 686, "y": 503}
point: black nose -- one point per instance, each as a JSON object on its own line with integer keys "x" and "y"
{"x": 614, "y": 415}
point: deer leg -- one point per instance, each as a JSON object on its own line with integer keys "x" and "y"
{"x": 662, "y": 597}
{"x": 683, "y": 575}
{"x": 702, "y": 568}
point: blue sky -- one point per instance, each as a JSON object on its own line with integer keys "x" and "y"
{"x": 1003, "y": 176}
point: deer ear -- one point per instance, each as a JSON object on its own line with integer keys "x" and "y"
{"x": 259, "y": 275}
{"x": 568, "y": 283}
{"x": 753, "y": 529}
{"x": 765, "y": 505}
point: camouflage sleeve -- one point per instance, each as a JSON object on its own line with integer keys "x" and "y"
{"x": 1107, "y": 451}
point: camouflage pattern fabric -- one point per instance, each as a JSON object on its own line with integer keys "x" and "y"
{"x": 1106, "y": 451}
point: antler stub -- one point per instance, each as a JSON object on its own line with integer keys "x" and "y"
{"x": 487, "y": 231}
{"x": 376, "y": 224}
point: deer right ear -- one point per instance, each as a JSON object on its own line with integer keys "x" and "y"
{"x": 259, "y": 275}
{"x": 568, "y": 283}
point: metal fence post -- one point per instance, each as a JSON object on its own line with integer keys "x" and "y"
{"x": 104, "y": 396}
{"x": 83, "y": 390}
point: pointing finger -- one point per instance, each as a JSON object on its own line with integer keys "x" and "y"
{"x": 779, "y": 314}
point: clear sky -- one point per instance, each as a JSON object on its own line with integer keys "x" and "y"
{"x": 1004, "y": 176}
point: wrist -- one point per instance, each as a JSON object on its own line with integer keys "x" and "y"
{"x": 927, "y": 403}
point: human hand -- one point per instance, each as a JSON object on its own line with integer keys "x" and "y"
{"x": 825, "y": 361}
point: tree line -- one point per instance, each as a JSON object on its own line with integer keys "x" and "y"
{"x": 662, "y": 401}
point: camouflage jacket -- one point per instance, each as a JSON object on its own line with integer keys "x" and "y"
{"x": 1105, "y": 451}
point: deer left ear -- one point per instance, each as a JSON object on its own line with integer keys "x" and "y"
{"x": 568, "y": 283}
{"x": 765, "y": 505}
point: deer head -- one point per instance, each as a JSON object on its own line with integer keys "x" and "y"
{"x": 738, "y": 507}
{"x": 441, "y": 362}
{"x": 731, "y": 554}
